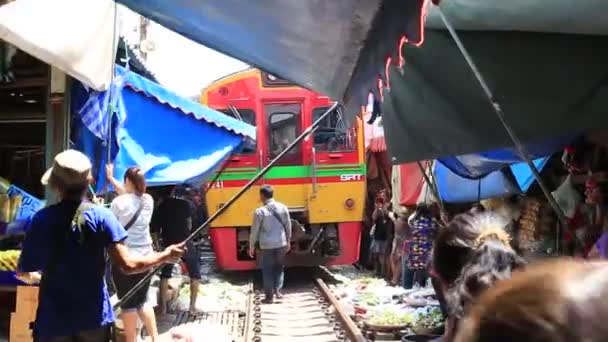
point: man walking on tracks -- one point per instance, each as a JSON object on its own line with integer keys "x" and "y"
{"x": 272, "y": 230}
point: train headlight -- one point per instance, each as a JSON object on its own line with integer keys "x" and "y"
{"x": 349, "y": 204}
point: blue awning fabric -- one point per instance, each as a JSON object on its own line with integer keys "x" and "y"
{"x": 478, "y": 165}
{"x": 523, "y": 175}
{"x": 172, "y": 139}
{"x": 454, "y": 188}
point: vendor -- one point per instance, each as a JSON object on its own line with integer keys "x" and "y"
{"x": 470, "y": 254}
{"x": 597, "y": 223}
{"x": 423, "y": 228}
{"x": 593, "y": 234}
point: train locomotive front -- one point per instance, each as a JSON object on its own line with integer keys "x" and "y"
{"x": 321, "y": 180}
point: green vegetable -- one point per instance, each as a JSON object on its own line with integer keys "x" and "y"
{"x": 369, "y": 299}
{"x": 432, "y": 319}
{"x": 392, "y": 318}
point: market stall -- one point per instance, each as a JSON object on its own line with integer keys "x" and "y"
{"x": 383, "y": 310}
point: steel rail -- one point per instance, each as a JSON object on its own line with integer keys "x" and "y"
{"x": 350, "y": 328}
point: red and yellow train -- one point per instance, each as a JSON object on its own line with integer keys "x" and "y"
{"x": 322, "y": 180}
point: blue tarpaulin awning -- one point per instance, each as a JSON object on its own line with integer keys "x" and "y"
{"x": 172, "y": 139}
{"x": 477, "y": 165}
{"x": 453, "y": 188}
{"x": 456, "y": 189}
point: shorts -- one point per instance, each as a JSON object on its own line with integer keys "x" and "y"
{"x": 192, "y": 260}
{"x": 124, "y": 283}
{"x": 378, "y": 246}
{"x": 102, "y": 334}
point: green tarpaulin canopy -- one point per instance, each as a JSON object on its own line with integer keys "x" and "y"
{"x": 548, "y": 85}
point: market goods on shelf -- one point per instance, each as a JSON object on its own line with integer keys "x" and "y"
{"x": 8, "y": 260}
{"x": 528, "y": 223}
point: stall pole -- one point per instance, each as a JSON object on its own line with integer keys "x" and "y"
{"x": 311, "y": 129}
{"x": 501, "y": 116}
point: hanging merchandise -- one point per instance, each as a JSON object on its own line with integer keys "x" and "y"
{"x": 567, "y": 197}
{"x": 16, "y": 208}
{"x": 528, "y": 224}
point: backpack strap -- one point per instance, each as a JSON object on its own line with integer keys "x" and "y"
{"x": 276, "y": 216}
{"x": 135, "y": 216}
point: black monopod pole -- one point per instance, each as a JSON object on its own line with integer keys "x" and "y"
{"x": 501, "y": 117}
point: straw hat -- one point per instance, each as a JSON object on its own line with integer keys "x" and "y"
{"x": 70, "y": 168}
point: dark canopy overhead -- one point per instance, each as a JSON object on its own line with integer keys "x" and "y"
{"x": 548, "y": 85}
{"x": 548, "y": 16}
{"x": 336, "y": 47}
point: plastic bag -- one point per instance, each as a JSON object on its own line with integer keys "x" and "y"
{"x": 567, "y": 197}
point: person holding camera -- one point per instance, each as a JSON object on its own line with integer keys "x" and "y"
{"x": 380, "y": 233}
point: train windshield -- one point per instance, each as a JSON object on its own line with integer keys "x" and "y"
{"x": 332, "y": 134}
{"x": 248, "y": 116}
{"x": 284, "y": 126}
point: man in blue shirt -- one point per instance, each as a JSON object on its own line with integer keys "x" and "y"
{"x": 67, "y": 242}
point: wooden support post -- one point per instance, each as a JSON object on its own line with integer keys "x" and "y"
{"x": 57, "y": 118}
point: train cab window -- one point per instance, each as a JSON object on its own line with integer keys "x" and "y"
{"x": 332, "y": 135}
{"x": 284, "y": 122}
{"x": 248, "y": 116}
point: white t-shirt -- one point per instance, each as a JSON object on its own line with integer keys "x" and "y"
{"x": 124, "y": 207}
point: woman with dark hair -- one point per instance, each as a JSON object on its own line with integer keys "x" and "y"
{"x": 558, "y": 301}
{"x": 133, "y": 208}
{"x": 471, "y": 253}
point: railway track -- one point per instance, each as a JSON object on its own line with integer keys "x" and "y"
{"x": 308, "y": 312}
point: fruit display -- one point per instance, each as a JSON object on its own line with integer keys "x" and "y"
{"x": 8, "y": 260}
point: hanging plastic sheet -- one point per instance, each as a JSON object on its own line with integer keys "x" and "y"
{"x": 523, "y": 175}
{"x": 374, "y": 135}
{"x": 337, "y": 47}
{"x": 75, "y": 36}
{"x": 172, "y": 139}
{"x": 409, "y": 186}
{"x": 477, "y": 165}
